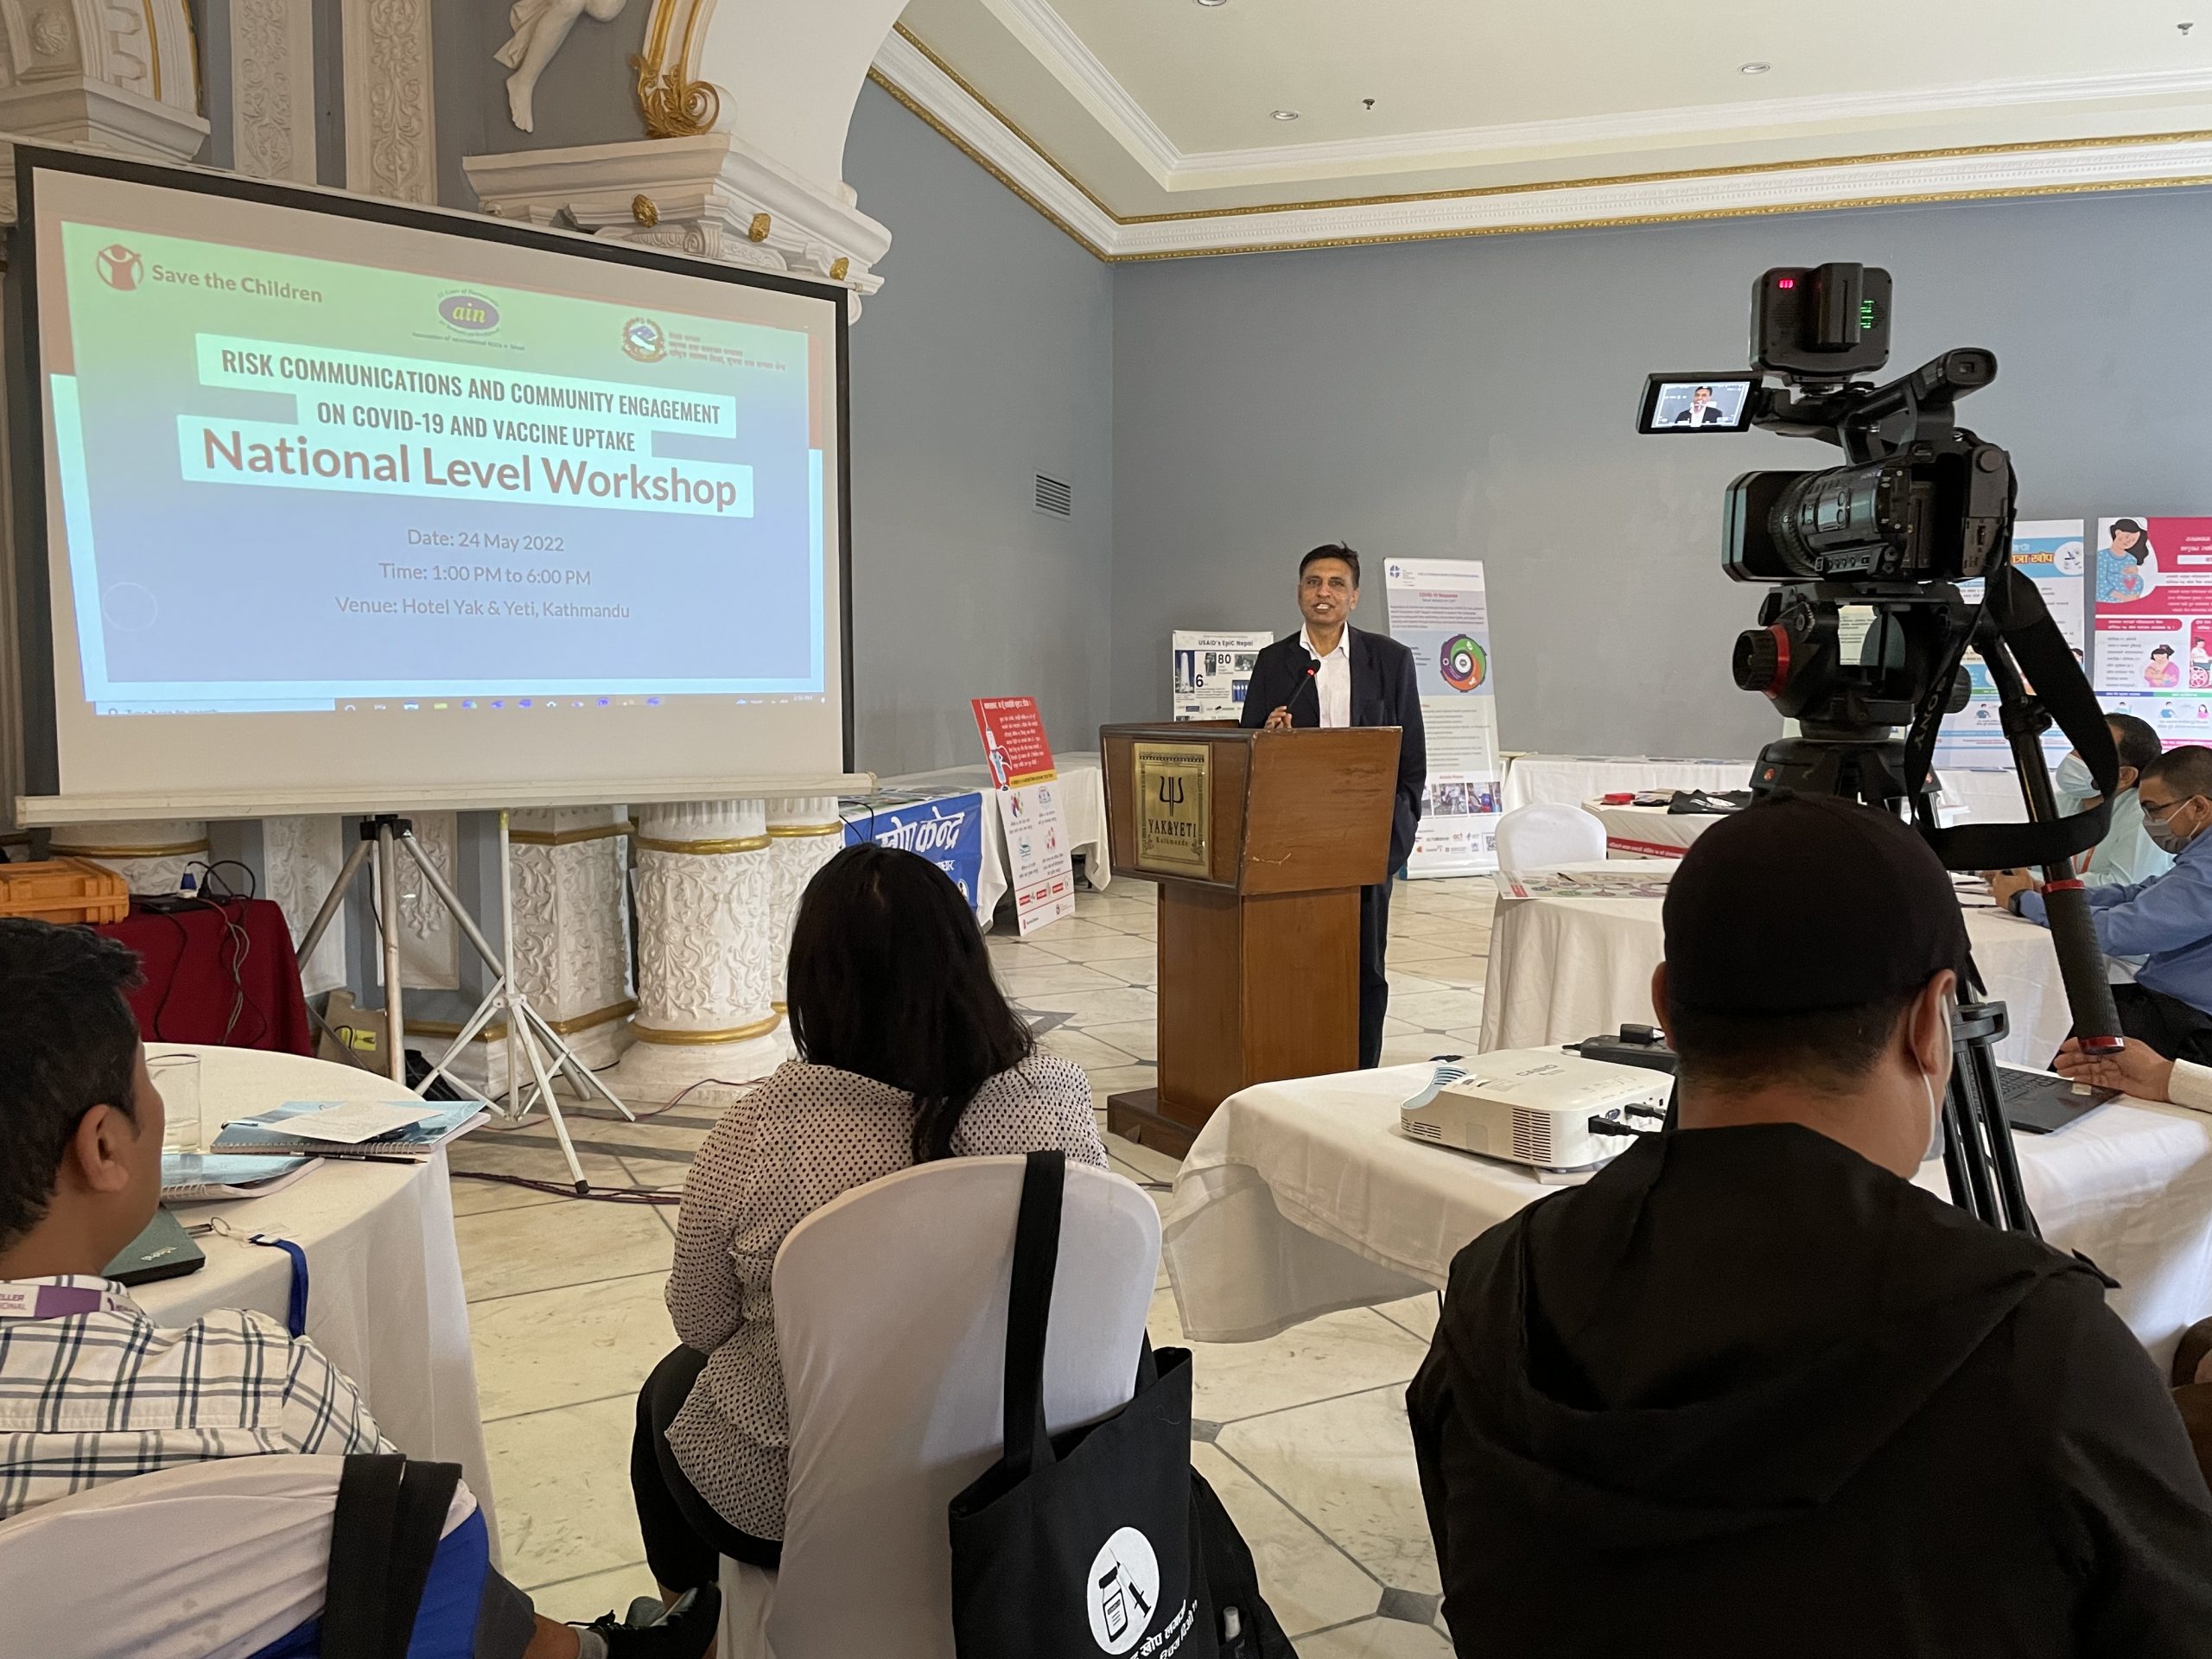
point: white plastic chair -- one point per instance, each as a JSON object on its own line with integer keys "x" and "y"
{"x": 891, "y": 1321}
{"x": 208, "y": 1560}
{"x": 1546, "y": 835}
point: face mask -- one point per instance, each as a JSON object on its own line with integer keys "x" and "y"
{"x": 1934, "y": 1093}
{"x": 2163, "y": 836}
{"x": 2072, "y": 783}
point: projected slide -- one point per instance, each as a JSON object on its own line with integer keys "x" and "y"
{"x": 296, "y": 482}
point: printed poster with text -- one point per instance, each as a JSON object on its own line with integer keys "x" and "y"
{"x": 1013, "y": 739}
{"x": 1212, "y": 671}
{"x": 2048, "y": 551}
{"x": 2154, "y": 623}
{"x": 1038, "y": 869}
{"x": 1438, "y": 612}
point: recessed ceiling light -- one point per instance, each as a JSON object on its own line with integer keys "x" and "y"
{"x": 1213, "y": 2}
{"x": 1756, "y": 69}
{"x": 1286, "y": 115}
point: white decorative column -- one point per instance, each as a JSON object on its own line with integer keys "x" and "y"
{"x": 272, "y": 90}
{"x": 150, "y": 854}
{"x": 572, "y": 927}
{"x": 430, "y": 941}
{"x": 301, "y": 858}
{"x": 805, "y": 833}
{"x": 391, "y": 147}
{"x": 706, "y": 986}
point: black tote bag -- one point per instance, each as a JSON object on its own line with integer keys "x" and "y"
{"x": 1081, "y": 1544}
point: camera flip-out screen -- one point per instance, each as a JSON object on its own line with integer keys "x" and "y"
{"x": 1692, "y": 403}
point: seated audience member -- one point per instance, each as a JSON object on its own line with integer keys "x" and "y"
{"x": 2127, "y": 854}
{"x": 908, "y": 1051}
{"x": 91, "y": 1389}
{"x": 2141, "y": 1071}
{"x": 1750, "y": 1390}
{"x": 2166, "y": 921}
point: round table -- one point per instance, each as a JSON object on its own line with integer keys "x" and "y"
{"x": 1561, "y": 969}
{"x": 385, "y": 1296}
{"x": 1648, "y": 832}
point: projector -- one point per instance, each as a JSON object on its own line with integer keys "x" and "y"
{"x": 1536, "y": 1106}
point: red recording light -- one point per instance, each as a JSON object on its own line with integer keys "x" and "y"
{"x": 1785, "y": 282}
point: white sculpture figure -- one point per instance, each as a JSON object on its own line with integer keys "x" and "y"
{"x": 541, "y": 26}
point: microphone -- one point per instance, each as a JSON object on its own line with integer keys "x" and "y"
{"x": 1311, "y": 668}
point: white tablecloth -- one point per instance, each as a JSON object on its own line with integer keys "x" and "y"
{"x": 1082, "y": 799}
{"x": 1571, "y": 779}
{"x": 1299, "y": 1199}
{"x": 385, "y": 1297}
{"x": 1561, "y": 969}
{"x": 1981, "y": 796}
{"x": 1648, "y": 832}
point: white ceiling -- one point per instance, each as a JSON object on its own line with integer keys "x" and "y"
{"x": 1162, "y": 107}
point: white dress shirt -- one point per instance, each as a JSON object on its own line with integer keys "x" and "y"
{"x": 1333, "y": 684}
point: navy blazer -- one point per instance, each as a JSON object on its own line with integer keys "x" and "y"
{"x": 1383, "y": 693}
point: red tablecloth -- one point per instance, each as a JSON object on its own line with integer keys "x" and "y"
{"x": 195, "y": 976}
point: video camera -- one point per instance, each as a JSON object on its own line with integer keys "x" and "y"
{"x": 1865, "y": 630}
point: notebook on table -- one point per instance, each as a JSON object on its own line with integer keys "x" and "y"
{"x": 197, "y": 1177}
{"x": 269, "y": 1134}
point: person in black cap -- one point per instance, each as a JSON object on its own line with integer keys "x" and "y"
{"x": 1750, "y": 1390}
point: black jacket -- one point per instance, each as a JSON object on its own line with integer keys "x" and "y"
{"x": 1746, "y": 1394}
{"x": 1383, "y": 693}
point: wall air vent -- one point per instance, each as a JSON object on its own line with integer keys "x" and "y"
{"x": 1054, "y": 497}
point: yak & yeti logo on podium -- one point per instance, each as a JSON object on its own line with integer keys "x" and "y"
{"x": 119, "y": 267}
{"x": 1170, "y": 797}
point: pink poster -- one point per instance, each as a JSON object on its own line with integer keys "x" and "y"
{"x": 2154, "y": 622}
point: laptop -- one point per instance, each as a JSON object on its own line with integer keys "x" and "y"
{"x": 2036, "y": 1102}
{"x": 162, "y": 1251}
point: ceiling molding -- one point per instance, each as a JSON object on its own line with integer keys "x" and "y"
{"x": 914, "y": 75}
{"x": 1076, "y": 66}
{"x": 1068, "y": 58}
{"x": 1644, "y": 129}
{"x": 918, "y": 78}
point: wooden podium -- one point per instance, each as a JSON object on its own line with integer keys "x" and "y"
{"x": 1261, "y": 842}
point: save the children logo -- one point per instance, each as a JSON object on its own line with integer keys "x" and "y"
{"x": 1122, "y": 1591}
{"x": 119, "y": 267}
{"x": 645, "y": 339}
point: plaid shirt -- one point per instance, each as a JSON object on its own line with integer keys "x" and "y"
{"x": 89, "y": 1398}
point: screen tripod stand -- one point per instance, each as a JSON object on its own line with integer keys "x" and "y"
{"x": 544, "y": 1052}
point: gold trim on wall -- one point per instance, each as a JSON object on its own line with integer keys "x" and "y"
{"x": 699, "y": 1039}
{"x": 172, "y": 849}
{"x": 790, "y": 831}
{"x": 928, "y": 117}
{"x": 497, "y": 1030}
{"x": 673, "y": 104}
{"x": 1479, "y": 192}
{"x": 571, "y": 837}
{"x": 703, "y": 848}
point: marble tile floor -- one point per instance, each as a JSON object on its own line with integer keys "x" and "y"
{"x": 1303, "y": 1436}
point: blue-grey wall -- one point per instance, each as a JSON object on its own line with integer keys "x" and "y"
{"x": 1474, "y": 399}
{"x": 987, "y": 359}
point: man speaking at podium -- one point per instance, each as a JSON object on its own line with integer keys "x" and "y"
{"x": 1330, "y": 673}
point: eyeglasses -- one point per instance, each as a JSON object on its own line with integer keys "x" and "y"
{"x": 2161, "y": 813}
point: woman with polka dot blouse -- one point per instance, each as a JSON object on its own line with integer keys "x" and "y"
{"x": 908, "y": 1051}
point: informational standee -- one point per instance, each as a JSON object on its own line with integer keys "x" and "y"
{"x": 1439, "y": 611}
{"x": 2154, "y": 623}
{"x": 1015, "y": 743}
{"x": 1038, "y": 868}
{"x": 2050, "y": 552}
{"x": 1211, "y": 671}
{"x": 947, "y": 831}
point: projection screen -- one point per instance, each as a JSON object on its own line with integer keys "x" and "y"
{"x": 350, "y": 505}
